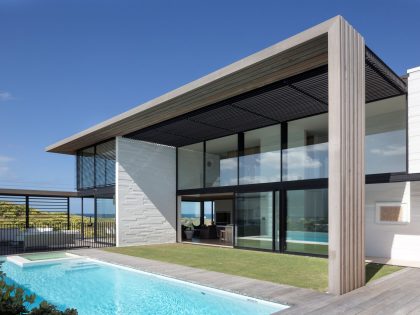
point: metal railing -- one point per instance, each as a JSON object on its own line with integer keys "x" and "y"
{"x": 17, "y": 238}
{"x": 45, "y": 220}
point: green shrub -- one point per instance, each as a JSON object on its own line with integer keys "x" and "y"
{"x": 14, "y": 301}
{"x": 47, "y": 309}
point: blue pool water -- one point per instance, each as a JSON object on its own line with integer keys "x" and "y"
{"x": 96, "y": 288}
{"x": 316, "y": 237}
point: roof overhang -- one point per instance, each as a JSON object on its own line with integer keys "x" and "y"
{"x": 306, "y": 52}
{"x": 37, "y": 193}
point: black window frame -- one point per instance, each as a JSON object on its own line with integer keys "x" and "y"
{"x": 80, "y": 176}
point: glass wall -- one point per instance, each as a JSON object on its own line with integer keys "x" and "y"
{"x": 86, "y": 168}
{"x": 254, "y": 220}
{"x": 88, "y": 217}
{"x": 277, "y": 221}
{"x": 306, "y": 156}
{"x": 222, "y": 161}
{"x": 190, "y": 213}
{"x": 105, "y": 164}
{"x": 256, "y": 156}
{"x": 96, "y": 166}
{"x": 105, "y": 220}
{"x": 105, "y": 209}
{"x": 260, "y": 161}
{"x": 190, "y": 166}
{"x": 385, "y": 145}
{"x": 307, "y": 221}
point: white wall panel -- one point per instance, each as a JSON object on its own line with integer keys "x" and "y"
{"x": 146, "y": 193}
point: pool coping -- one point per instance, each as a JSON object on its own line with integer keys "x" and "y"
{"x": 252, "y": 288}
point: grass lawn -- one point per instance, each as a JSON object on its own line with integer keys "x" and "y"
{"x": 298, "y": 271}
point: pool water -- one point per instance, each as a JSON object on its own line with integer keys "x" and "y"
{"x": 313, "y": 237}
{"x": 45, "y": 256}
{"x": 98, "y": 288}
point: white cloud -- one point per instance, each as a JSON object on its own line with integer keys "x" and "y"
{"x": 5, "y": 159}
{"x": 306, "y": 162}
{"x": 389, "y": 150}
{"x": 4, "y": 165}
{"x": 299, "y": 158}
{"x": 5, "y": 96}
{"x": 228, "y": 164}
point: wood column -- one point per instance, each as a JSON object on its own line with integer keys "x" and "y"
{"x": 346, "y": 120}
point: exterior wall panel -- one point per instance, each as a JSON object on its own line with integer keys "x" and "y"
{"x": 414, "y": 120}
{"x": 146, "y": 193}
{"x": 390, "y": 240}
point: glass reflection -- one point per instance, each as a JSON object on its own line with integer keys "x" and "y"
{"x": 307, "y": 221}
{"x": 254, "y": 219}
{"x": 222, "y": 161}
{"x": 260, "y": 162}
{"x": 190, "y": 166}
{"x": 385, "y": 145}
{"x": 306, "y": 156}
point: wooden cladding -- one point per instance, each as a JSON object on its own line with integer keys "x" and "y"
{"x": 346, "y": 77}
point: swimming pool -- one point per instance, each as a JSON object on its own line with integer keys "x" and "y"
{"x": 93, "y": 287}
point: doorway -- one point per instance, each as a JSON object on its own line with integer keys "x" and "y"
{"x": 207, "y": 219}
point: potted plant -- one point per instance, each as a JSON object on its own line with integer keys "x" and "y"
{"x": 189, "y": 233}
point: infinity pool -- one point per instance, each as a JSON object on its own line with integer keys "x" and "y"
{"x": 93, "y": 288}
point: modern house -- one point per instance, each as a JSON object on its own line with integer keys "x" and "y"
{"x": 309, "y": 146}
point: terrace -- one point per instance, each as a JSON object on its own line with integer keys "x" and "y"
{"x": 294, "y": 270}
{"x": 296, "y": 281}
{"x": 33, "y": 220}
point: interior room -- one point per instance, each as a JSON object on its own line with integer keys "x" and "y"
{"x": 207, "y": 219}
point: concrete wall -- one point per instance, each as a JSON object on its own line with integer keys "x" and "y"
{"x": 145, "y": 193}
{"x": 414, "y": 120}
{"x": 397, "y": 241}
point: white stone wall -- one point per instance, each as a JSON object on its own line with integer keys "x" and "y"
{"x": 145, "y": 193}
{"x": 414, "y": 120}
{"x": 397, "y": 241}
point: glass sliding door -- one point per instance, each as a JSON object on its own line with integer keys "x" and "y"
{"x": 307, "y": 221}
{"x": 209, "y": 213}
{"x": 254, "y": 220}
{"x": 190, "y": 213}
{"x": 277, "y": 220}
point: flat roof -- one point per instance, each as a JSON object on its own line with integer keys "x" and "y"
{"x": 298, "y": 54}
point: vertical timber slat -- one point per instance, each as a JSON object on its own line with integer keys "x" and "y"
{"x": 346, "y": 119}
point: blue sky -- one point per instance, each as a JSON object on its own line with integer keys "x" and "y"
{"x": 67, "y": 65}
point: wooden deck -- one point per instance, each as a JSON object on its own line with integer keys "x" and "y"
{"x": 398, "y": 293}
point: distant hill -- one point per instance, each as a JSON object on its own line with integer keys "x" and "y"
{"x": 11, "y": 213}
